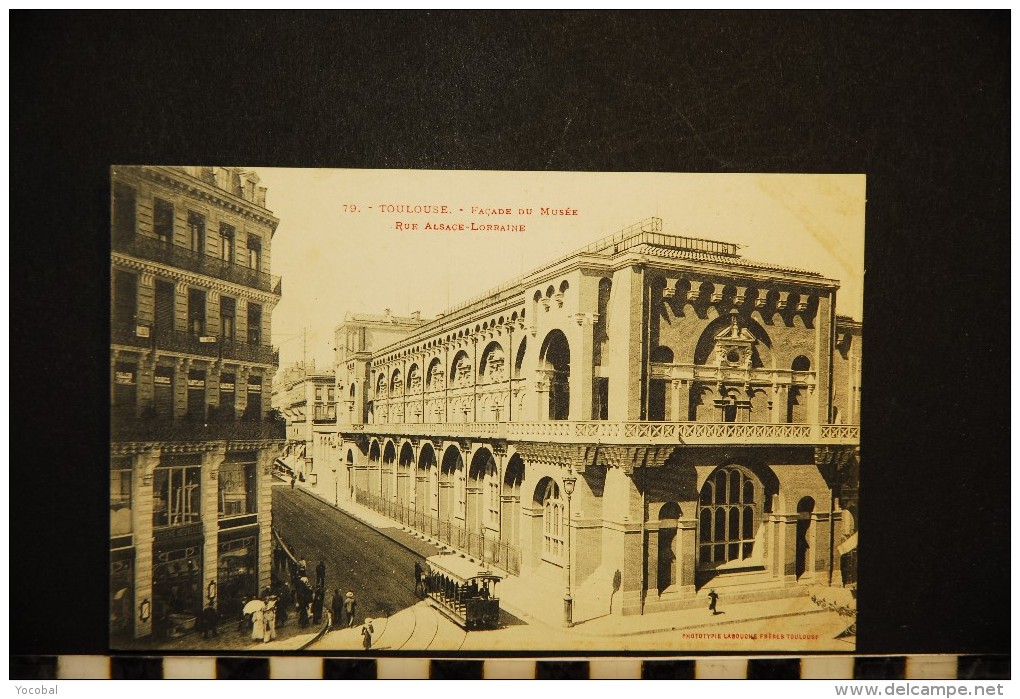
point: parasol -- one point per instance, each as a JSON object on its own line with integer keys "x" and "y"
{"x": 256, "y": 605}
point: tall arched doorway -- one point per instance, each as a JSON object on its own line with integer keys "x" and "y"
{"x": 510, "y": 515}
{"x": 423, "y": 497}
{"x": 554, "y": 361}
{"x": 452, "y": 491}
{"x": 805, "y": 508}
{"x": 482, "y": 503}
{"x": 372, "y": 481}
{"x": 388, "y": 473}
{"x": 667, "y": 573}
{"x": 404, "y": 478}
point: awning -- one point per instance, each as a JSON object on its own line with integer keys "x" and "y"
{"x": 847, "y": 546}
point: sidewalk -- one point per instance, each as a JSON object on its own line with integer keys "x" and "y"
{"x": 539, "y": 602}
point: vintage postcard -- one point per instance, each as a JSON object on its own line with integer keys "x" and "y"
{"x": 388, "y": 410}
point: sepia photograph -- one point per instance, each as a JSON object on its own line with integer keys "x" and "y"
{"x": 440, "y": 411}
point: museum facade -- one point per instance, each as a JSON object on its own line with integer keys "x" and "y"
{"x": 641, "y": 419}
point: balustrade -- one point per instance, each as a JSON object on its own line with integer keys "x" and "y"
{"x": 635, "y": 432}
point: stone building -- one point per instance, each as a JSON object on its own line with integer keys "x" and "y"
{"x": 636, "y": 421}
{"x": 305, "y": 397}
{"x": 192, "y": 444}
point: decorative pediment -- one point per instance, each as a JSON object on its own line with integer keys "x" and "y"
{"x": 734, "y": 345}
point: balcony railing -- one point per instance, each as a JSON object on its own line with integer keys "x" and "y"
{"x": 186, "y": 343}
{"x": 185, "y": 258}
{"x": 246, "y": 352}
{"x": 324, "y": 412}
{"x": 637, "y": 433}
{"x": 160, "y": 429}
{"x": 126, "y": 333}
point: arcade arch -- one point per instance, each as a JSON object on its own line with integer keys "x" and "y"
{"x": 554, "y": 362}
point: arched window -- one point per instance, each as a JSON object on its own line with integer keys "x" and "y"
{"x": 434, "y": 377}
{"x": 460, "y": 370}
{"x": 555, "y": 362}
{"x": 521, "y": 349}
{"x": 729, "y": 515}
{"x": 491, "y": 369}
{"x": 552, "y": 522}
{"x": 801, "y": 363}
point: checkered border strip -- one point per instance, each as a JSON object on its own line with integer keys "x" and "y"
{"x": 922, "y": 667}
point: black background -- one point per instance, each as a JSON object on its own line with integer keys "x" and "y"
{"x": 917, "y": 101}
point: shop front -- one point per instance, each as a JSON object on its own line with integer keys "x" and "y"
{"x": 122, "y": 583}
{"x": 177, "y": 581}
{"x": 237, "y": 569}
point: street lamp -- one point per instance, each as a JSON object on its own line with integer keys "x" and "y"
{"x": 568, "y": 601}
{"x": 336, "y": 491}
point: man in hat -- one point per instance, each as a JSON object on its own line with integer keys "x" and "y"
{"x": 337, "y": 608}
{"x": 320, "y": 574}
{"x": 210, "y": 621}
{"x": 350, "y": 605}
{"x": 318, "y": 598}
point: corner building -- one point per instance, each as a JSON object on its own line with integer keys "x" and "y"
{"x": 306, "y": 398}
{"x": 192, "y": 439}
{"x": 634, "y": 422}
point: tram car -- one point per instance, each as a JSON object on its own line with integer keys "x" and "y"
{"x": 462, "y": 590}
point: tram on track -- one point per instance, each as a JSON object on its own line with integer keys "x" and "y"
{"x": 464, "y": 591}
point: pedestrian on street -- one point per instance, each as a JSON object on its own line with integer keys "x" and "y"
{"x": 318, "y": 598}
{"x": 245, "y": 618}
{"x": 303, "y": 603}
{"x": 366, "y": 634}
{"x": 320, "y": 574}
{"x": 281, "y": 606}
{"x": 302, "y": 568}
{"x": 417, "y": 578}
{"x": 713, "y": 599}
{"x": 337, "y": 607}
{"x": 269, "y": 620}
{"x": 258, "y": 628}
{"x": 293, "y": 480}
{"x": 210, "y": 621}
{"x": 350, "y": 606}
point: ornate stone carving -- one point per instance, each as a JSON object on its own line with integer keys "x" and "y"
{"x": 734, "y": 346}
